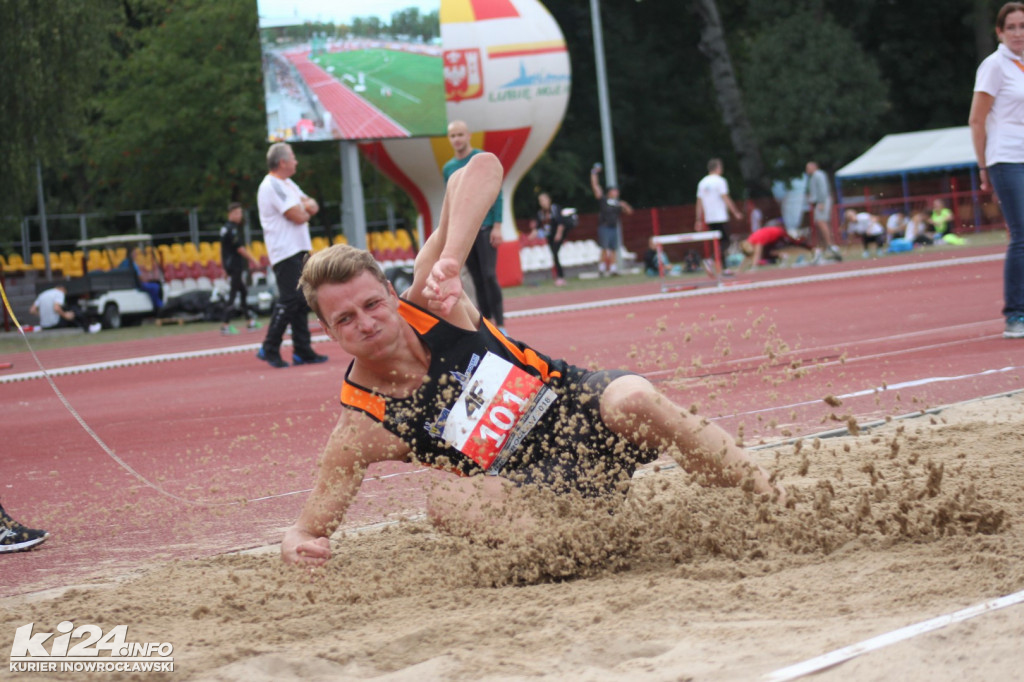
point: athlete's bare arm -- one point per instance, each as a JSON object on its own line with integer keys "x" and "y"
{"x": 356, "y": 442}
{"x": 436, "y": 284}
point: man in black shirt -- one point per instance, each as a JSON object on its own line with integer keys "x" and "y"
{"x": 234, "y": 257}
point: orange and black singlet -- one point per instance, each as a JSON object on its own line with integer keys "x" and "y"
{"x": 494, "y": 405}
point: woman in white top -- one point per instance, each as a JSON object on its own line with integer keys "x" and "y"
{"x": 997, "y": 129}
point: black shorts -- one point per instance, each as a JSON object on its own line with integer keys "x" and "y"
{"x": 572, "y": 449}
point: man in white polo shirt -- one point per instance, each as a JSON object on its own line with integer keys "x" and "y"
{"x": 714, "y": 204}
{"x": 285, "y": 211}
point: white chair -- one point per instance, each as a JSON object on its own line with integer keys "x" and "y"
{"x": 545, "y": 261}
{"x": 591, "y": 252}
{"x": 526, "y": 259}
{"x": 570, "y": 254}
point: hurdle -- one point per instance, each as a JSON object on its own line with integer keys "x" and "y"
{"x": 712, "y": 236}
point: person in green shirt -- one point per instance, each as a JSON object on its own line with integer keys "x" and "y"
{"x": 941, "y": 218}
{"x": 482, "y": 261}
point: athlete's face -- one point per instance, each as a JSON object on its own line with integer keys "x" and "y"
{"x": 361, "y": 315}
{"x": 1012, "y": 33}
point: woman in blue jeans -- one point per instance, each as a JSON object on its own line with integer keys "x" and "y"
{"x": 997, "y": 130}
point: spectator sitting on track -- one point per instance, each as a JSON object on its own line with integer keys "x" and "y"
{"x": 54, "y": 312}
{"x": 435, "y": 382}
{"x": 764, "y": 245}
{"x": 940, "y": 219}
{"x": 916, "y": 231}
{"x": 656, "y": 263}
{"x": 868, "y": 227}
{"x": 895, "y": 224}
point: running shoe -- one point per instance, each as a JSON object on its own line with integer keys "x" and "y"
{"x": 228, "y": 330}
{"x": 836, "y": 253}
{"x": 274, "y": 360}
{"x": 15, "y": 537}
{"x": 1014, "y": 327}
{"x": 253, "y": 324}
{"x": 95, "y": 328}
{"x": 313, "y": 359}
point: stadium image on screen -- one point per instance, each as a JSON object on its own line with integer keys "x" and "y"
{"x": 352, "y": 78}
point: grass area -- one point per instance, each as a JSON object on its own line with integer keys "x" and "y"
{"x": 417, "y": 100}
{"x": 13, "y": 342}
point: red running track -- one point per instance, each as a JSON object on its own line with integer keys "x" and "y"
{"x": 356, "y": 118}
{"x": 760, "y": 356}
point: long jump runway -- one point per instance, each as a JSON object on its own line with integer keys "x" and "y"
{"x": 188, "y": 446}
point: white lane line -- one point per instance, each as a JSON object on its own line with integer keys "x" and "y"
{"x": 543, "y": 311}
{"x": 877, "y": 390}
{"x": 146, "y": 360}
{"x": 842, "y": 655}
{"x": 785, "y": 358}
{"x": 768, "y": 284}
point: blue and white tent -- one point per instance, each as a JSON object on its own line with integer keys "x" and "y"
{"x": 924, "y": 151}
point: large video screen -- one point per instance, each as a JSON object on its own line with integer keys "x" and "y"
{"x": 352, "y": 69}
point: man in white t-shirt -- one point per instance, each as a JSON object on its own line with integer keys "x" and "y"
{"x": 53, "y": 311}
{"x": 285, "y": 211}
{"x": 714, "y": 204}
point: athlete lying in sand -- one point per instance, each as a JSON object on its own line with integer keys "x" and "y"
{"x": 434, "y": 383}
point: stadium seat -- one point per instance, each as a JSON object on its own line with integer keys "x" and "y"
{"x": 206, "y": 253}
{"x": 340, "y": 239}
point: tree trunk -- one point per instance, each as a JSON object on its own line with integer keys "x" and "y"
{"x": 730, "y": 99}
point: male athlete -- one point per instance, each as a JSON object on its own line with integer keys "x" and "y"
{"x": 434, "y": 382}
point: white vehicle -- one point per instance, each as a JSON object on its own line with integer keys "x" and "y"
{"x": 119, "y": 295}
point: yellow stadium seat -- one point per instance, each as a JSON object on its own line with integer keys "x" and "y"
{"x": 319, "y": 244}
{"x": 206, "y": 253}
{"x": 340, "y": 239}
{"x": 15, "y": 263}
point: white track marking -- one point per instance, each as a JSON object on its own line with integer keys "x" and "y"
{"x": 842, "y": 655}
{"x": 768, "y": 284}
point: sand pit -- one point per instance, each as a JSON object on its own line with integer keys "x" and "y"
{"x": 893, "y": 526}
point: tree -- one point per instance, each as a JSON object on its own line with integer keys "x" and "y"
{"x": 49, "y": 51}
{"x": 730, "y": 98}
{"x": 183, "y": 120}
{"x": 816, "y": 93}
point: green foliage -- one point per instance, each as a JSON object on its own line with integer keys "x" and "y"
{"x": 812, "y": 93}
{"x": 151, "y": 104}
{"x": 183, "y": 121}
{"x": 410, "y": 22}
{"x": 50, "y": 50}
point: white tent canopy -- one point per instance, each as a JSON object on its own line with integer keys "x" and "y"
{"x": 919, "y": 152}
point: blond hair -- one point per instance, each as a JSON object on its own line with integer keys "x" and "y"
{"x": 336, "y": 265}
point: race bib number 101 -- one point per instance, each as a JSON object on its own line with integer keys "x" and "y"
{"x": 495, "y": 404}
